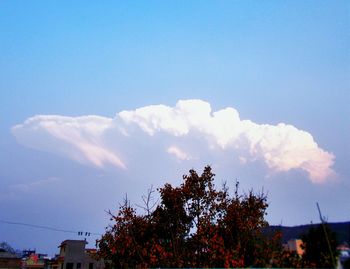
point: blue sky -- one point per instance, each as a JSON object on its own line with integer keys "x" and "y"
{"x": 272, "y": 61}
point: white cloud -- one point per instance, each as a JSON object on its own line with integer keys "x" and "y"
{"x": 79, "y": 138}
{"x": 16, "y": 191}
{"x": 180, "y": 154}
{"x": 24, "y": 187}
{"x": 187, "y": 131}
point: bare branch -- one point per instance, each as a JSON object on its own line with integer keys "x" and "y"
{"x": 148, "y": 201}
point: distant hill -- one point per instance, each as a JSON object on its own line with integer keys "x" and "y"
{"x": 341, "y": 229}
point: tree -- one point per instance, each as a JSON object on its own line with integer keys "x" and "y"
{"x": 6, "y": 246}
{"x": 194, "y": 225}
{"x": 318, "y": 251}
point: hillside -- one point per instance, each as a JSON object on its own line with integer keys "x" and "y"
{"x": 342, "y": 230}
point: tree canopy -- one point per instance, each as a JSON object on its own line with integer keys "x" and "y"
{"x": 7, "y": 247}
{"x": 195, "y": 225}
{"x": 320, "y": 247}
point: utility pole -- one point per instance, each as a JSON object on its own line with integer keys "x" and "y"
{"x": 326, "y": 235}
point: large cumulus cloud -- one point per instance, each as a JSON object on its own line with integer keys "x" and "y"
{"x": 176, "y": 131}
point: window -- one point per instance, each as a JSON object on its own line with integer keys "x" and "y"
{"x": 91, "y": 265}
{"x": 78, "y": 265}
{"x": 69, "y": 265}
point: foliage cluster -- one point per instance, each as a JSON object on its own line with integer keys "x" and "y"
{"x": 319, "y": 250}
{"x": 6, "y": 247}
{"x": 195, "y": 225}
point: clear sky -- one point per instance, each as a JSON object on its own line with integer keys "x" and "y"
{"x": 222, "y": 76}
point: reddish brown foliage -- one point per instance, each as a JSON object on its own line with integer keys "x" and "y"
{"x": 194, "y": 225}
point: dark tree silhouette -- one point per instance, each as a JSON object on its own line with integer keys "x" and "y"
{"x": 194, "y": 225}
{"x": 317, "y": 252}
{"x": 6, "y": 246}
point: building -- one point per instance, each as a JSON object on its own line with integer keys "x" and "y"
{"x": 294, "y": 245}
{"x": 9, "y": 260}
{"x": 74, "y": 255}
{"x": 35, "y": 261}
{"x": 344, "y": 254}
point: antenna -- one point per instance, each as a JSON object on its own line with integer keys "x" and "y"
{"x": 87, "y": 234}
{"x": 325, "y": 234}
